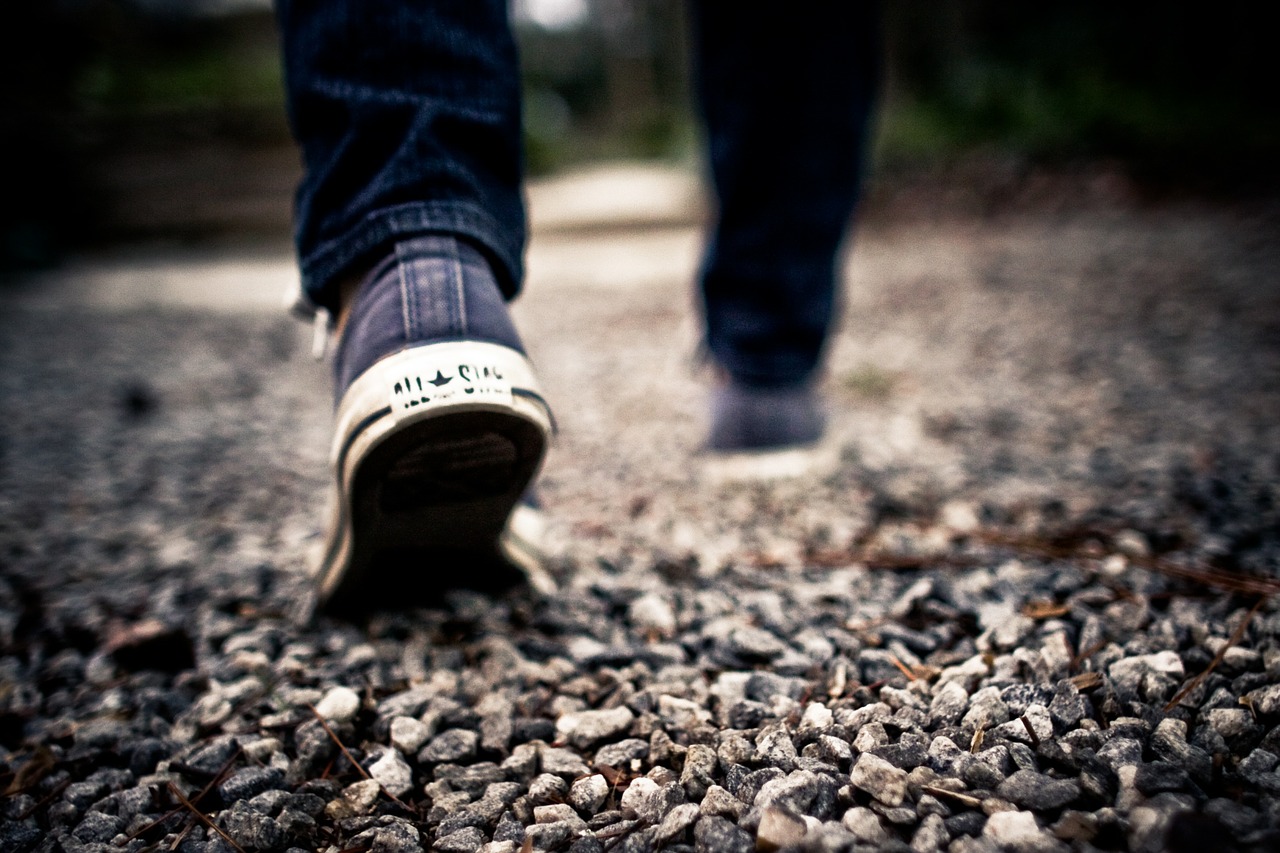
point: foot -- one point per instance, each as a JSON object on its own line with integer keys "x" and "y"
{"x": 745, "y": 418}
{"x": 765, "y": 434}
{"x": 440, "y": 429}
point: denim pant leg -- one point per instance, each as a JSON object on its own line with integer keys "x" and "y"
{"x": 785, "y": 92}
{"x": 408, "y": 115}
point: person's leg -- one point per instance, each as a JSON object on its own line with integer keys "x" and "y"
{"x": 410, "y": 225}
{"x": 786, "y": 93}
{"x": 408, "y": 115}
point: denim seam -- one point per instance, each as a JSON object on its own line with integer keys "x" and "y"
{"x": 408, "y": 296}
{"x": 336, "y": 256}
{"x": 477, "y": 106}
{"x": 458, "y": 290}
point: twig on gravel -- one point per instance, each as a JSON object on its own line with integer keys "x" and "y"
{"x": 186, "y": 830}
{"x": 204, "y": 792}
{"x": 39, "y": 765}
{"x": 1201, "y": 575}
{"x": 45, "y": 800}
{"x": 1031, "y": 732}
{"x": 1085, "y": 654}
{"x": 963, "y": 799}
{"x": 1086, "y": 680}
{"x": 1236, "y": 635}
{"x": 911, "y": 676}
{"x": 203, "y": 818}
{"x": 324, "y": 724}
{"x": 350, "y": 760}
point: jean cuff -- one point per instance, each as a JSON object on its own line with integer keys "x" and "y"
{"x": 372, "y": 238}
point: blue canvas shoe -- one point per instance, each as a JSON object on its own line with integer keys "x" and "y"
{"x": 440, "y": 428}
{"x": 760, "y": 433}
{"x": 745, "y": 418}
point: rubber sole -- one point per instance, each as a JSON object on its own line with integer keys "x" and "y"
{"x": 425, "y": 485}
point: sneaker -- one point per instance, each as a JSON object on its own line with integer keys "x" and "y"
{"x": 764, "y": 432}
{"x": 440, "y": 428}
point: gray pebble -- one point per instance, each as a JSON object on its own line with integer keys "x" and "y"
{"x": 586, "y": 728}
{"x": 450, "y": 746}
{"x": 879, "y": 778}
{"x": 1036, "y": 792}
{"x": 465, "y": 840}
{"x": 713, "y": 834}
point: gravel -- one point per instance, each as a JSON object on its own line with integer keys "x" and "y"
{"x": 984, "y": 628}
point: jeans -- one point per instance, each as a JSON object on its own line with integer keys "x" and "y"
{"x": 408, "y": 115}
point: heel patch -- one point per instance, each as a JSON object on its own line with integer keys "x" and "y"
{"x": 448, "y": 381}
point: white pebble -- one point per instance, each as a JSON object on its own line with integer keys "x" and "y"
{"x": 339, "y": 705}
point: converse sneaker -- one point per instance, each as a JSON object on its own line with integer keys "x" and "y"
{"x": 765, "y": 432}
{"x": 440, "y": 427}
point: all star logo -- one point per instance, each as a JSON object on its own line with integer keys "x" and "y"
{"x": 474, "y": 381}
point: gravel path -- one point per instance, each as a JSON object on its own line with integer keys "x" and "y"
{"x": 1056, "y": 505}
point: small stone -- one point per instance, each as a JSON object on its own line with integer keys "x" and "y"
{"x": 499, "y": 847}
{"x": 554, "y": 812}
{"x": 779, "y": 828}
{"x": 547, "y": 788}
{"x": 356, "y": 799}
{"x": 389, "y": 835}
{"x": 794, "y": 792}
{"x": 718, "y": 801}
{"x": 1037, "y": 792}
{"x": 250, "y": 829}
{"x": 931, "y": 835}
{"x": 816, "y": 716}
{"x": 699, "y": 770}
{"x": 409, "y": 734}
{"x": 829, "y": 750}
{"x": 451, "y": 746}
{"x": 551, "y": 836}
{"x": 249, "y": 782}
{"x": 98, "y": 828}
{"x": 669, "y": 795}
{"x": 588, "y": 794}
{"x": 1148, "y": 676}
{"x": 562, "y": 762}
{"x": 681, "y": 714}
{"x": 392, "y": 772}
{"x": 713, "y": 834}
{"x": 633, "y": 799}
{"x": 776, "y": 748}
{"x": 1012, "y": 828}
{"x": 339, "y": 705}
{"x": 1230, "y": 722}
{"x": 619, "y": 755}
{"x": 1032, "y": 726}
{"x": 755, "y": 644}
{"x": 949, "y": 703}
{"x": 585, "y": 728}
{"x": 965, "y": 823}
{"x": 651, "y": 613}
{"x": 880, "y": 779}
{"x": 1075, "y": 826}
{"x": 465, "y": 840}
{"x": 865, "y": 825}
{"x": 1265, "y": 700}
{"x": 675, "y": 823}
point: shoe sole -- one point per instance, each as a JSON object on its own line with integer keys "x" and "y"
{"x": 434, "y": 447}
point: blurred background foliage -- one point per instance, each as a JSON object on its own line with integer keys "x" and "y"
{"x": 95, "y": 90}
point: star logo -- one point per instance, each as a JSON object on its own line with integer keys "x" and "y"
{"x": 440, "y": 379}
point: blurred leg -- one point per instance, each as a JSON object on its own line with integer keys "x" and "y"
{"x": 785, "y": 92}
{"x": 410, "y": 215}
{"x": 408, "y": 114}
